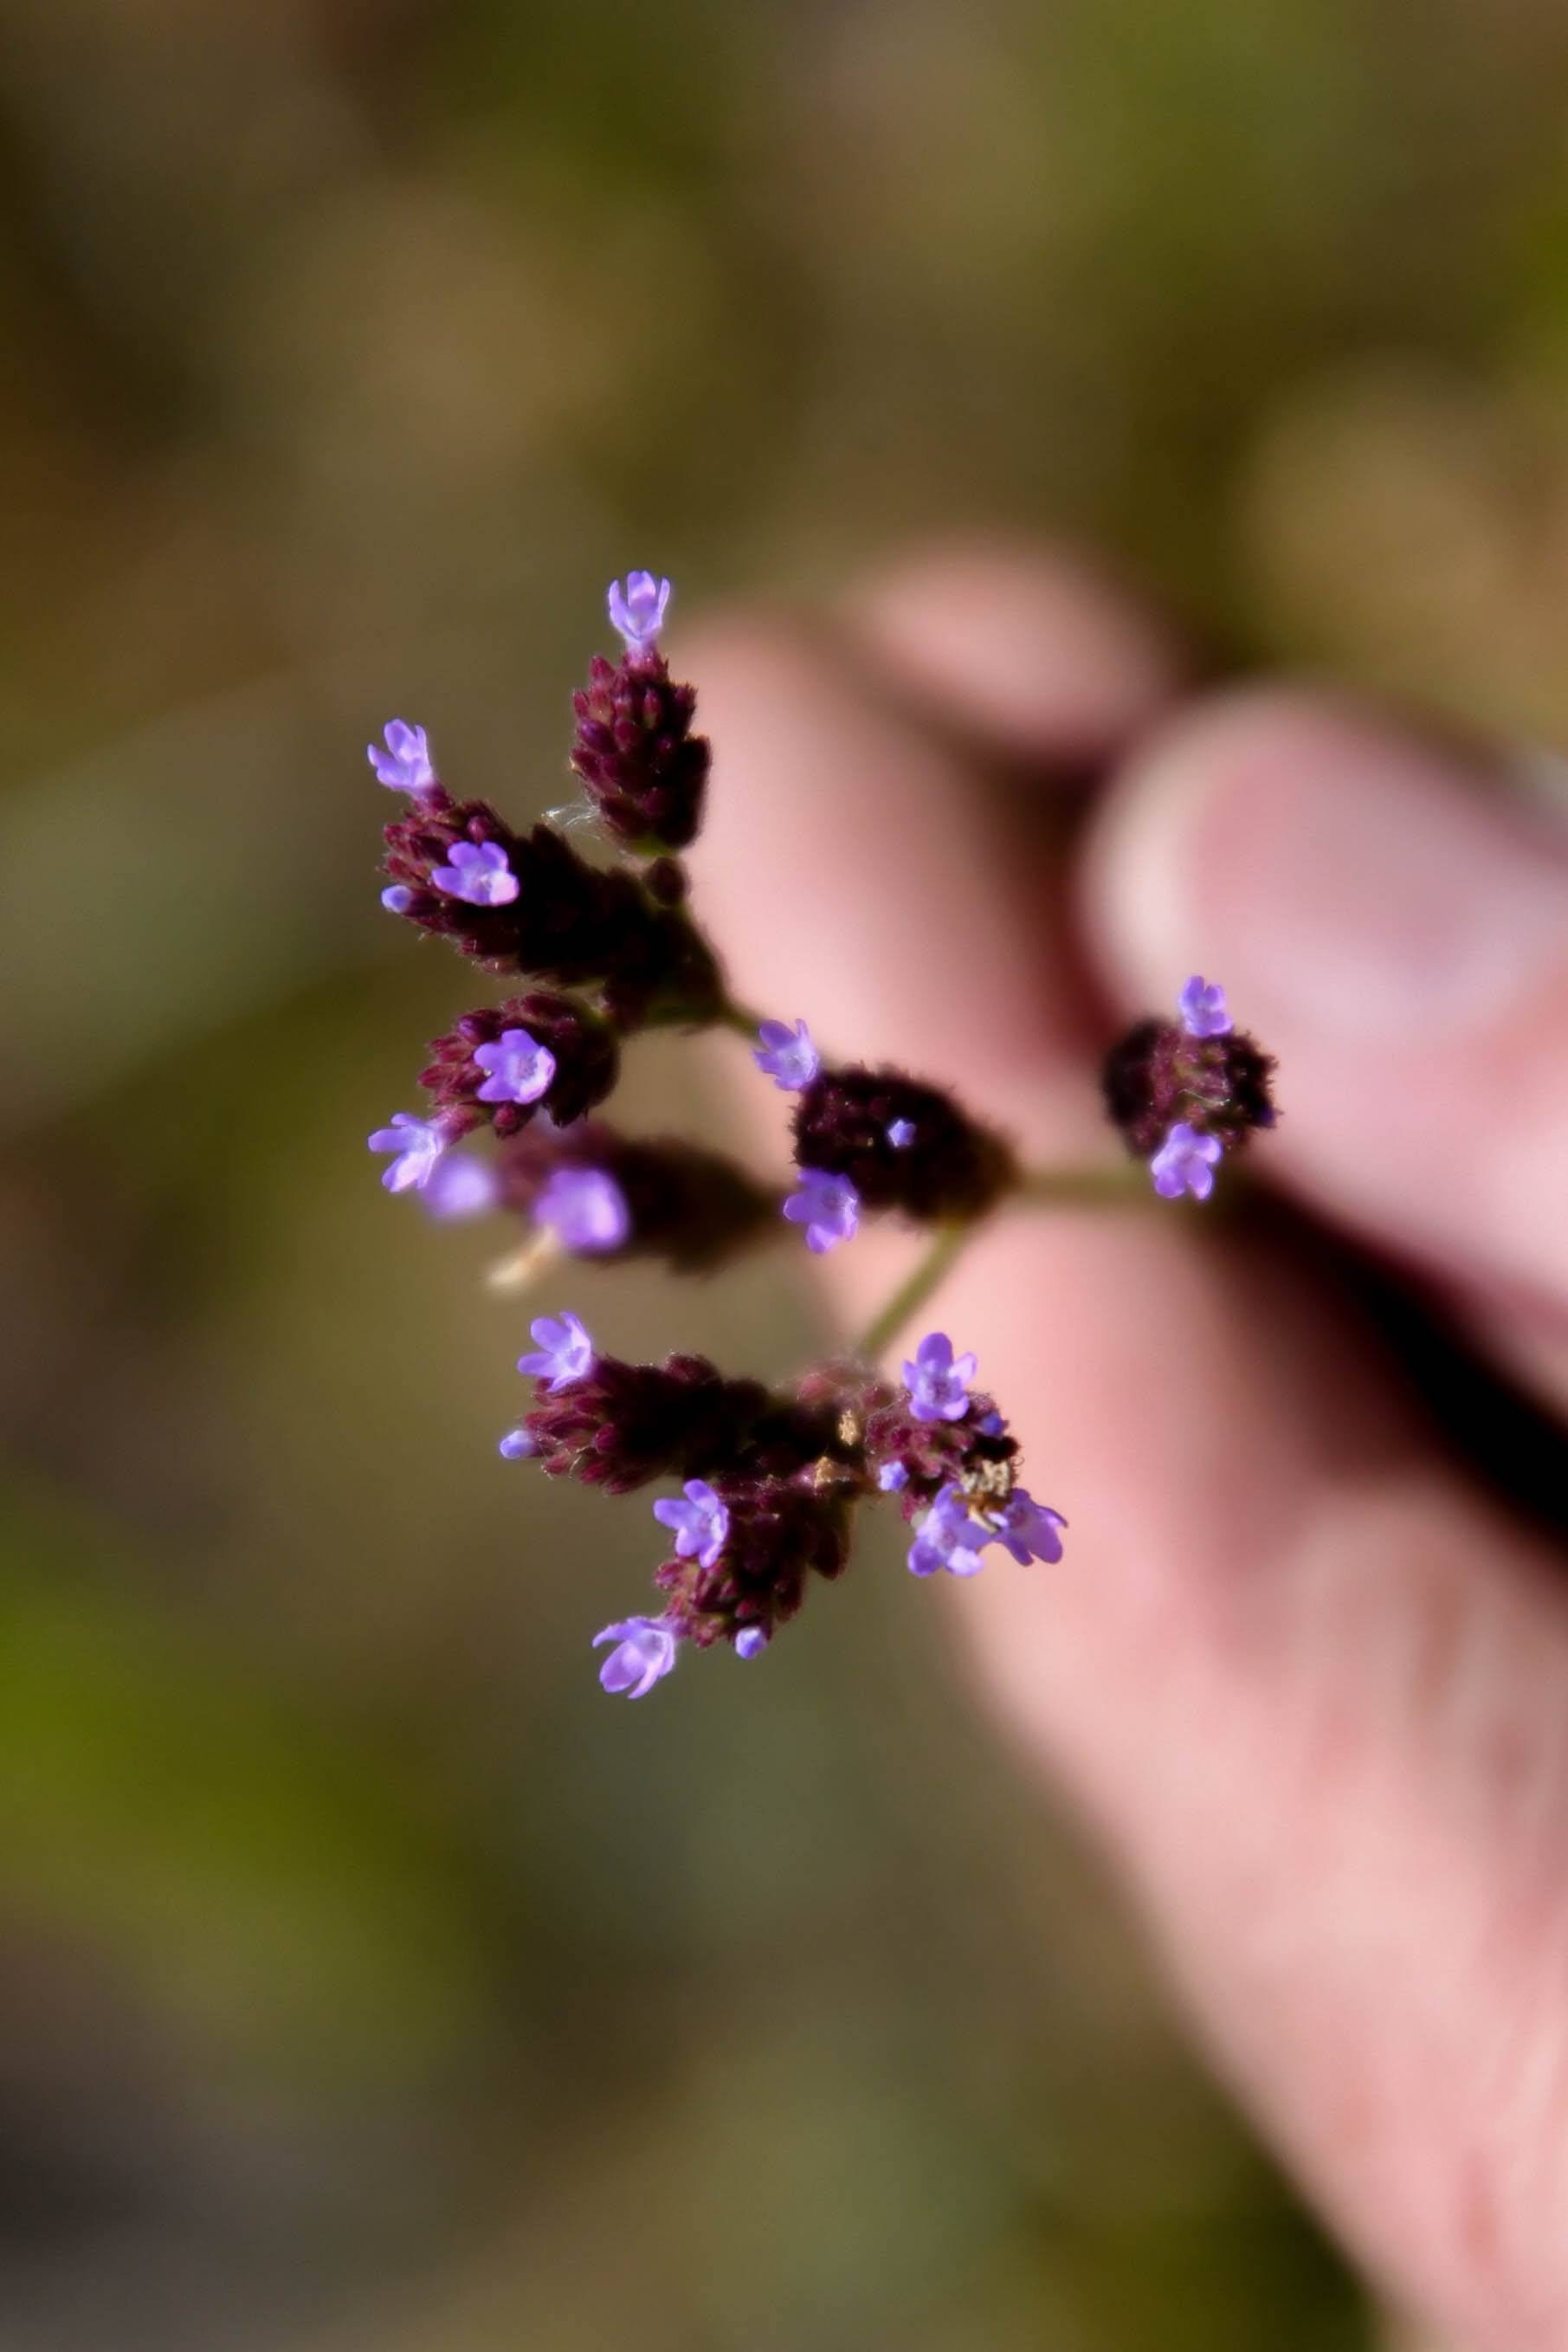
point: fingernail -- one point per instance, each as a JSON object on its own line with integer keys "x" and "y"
{"x": 1339, "y": 877}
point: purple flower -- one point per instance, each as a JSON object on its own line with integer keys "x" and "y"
{"x": 948, "y": 1537}
{"x": 585, "y": 1209}
{"x": 1184, "y": 1162}
{"x": 893, "y": 1477}
{"x": 751, "y": 1641}
{"x": 461, "y": 1185}
{"x": 938, "y": 1384}
{"x": 517, "y": 1445}
{"x": 1027, "y": 1528}
{"x": 787, "y": 1056}
{"x": 901, "y": 1134}
{"x": 419, "y": 1144}
{"x": 518, "y": 1069}
{"x": 404, "y": 766}
{"x": 828, "y": 1206}
{"x": 478, "y": 875}
{"x": 701, "y": 1523}
{"x": 636, "y": 607}
{"x": 645, "y": 1653}
{"x": 398, "y": 900}
{"x": 1202, "y": 1006}
{"x": 565, "y": 1351}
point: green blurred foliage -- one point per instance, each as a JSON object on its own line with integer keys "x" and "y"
{"x": 371, "y": 1982}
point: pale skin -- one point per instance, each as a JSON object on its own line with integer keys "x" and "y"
{"x": 1308, "y": 1681}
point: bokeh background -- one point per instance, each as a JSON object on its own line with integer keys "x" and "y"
{"x": 368, "y": 1983}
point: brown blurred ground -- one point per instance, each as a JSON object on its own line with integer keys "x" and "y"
{"x": 367, "y": 1981}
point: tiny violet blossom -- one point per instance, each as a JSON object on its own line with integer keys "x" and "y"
{"x": 750, "y": 1641}
{"x": 565, "y": 1351}
{"x": 1203, "y": 1009}
{"x": 398, "y": 900}
{"x": 517, "y": 1445}
{"x": 901, "y": 1134}
{"x": 418, "y": 1143}
{"x": 1028, "y": 1529}
{"x": 643, "y": 1655}
{"x": 828, "y": 1206}
{"x": 948, "y": 1538}
{"x": 461, "y": 1185}
{"x": 517, "y": 1068}
{"x": 787, "y": 1056}
{"x": 893, "y": 1477}
{"x": 479, "y": 874}
{"x": 405, "y": 765}
{"x": 937, "y": 1381}
{"x": 636, "y": 606}
{"x": 701, "y": 1523}
{"x": 1184, "y": 1162}
{"x": 585, "y": 1209}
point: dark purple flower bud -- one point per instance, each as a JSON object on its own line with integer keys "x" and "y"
{"x": 405, "y": 765}
{"x": 694, "y": 1209}
{"x": 1199, "y": 1073}
{"x": 779, "y": 1532}
{"x": 507, "y": 1062}
{"x": 624, "y": 1424}
{"x": 565, "y": 1354}
{"x": 700, "y": 1521}
{"x": 828, "y": 1206}
{"x": 1186, "y": 1162}
{"x": 943, "y": 1164}
{"x": 786, "y": 1055}
{"x": 645, "y": 1650}
{"x": 937, "y": 1383}
{"x": 643, "y": 769}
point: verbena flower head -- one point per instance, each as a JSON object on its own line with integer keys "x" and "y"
{"x": 1186, "y": 1162}
{"x": 565, "y": 1352}
{"x": 418, "y": 1143}
{"x": 828, "y": 1206}
{"x": 645, "y": 1651}
{"x": 404, "y": 765}
{"x": 637, "y": 606}
{"x": 585, "y": 1209}
{"x": 786, "y": 1055}
{"x": 479, "y": 873}
{"x": 517, "y": 1068}
{"x": 937, "y": 1381}
{"x": 1203, "y": 1009}
{"x": 700, "y": 1521}
{"x": 902, "y": 1144}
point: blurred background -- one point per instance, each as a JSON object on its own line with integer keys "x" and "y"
{"x": 368, "y": 1983}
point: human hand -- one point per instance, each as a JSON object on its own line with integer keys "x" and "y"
{"x": 1307, "y": 1675}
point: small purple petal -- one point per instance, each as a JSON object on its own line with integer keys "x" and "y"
{"x": 936, "y": 1384}
{"x": 644, "y": 1653}
{"x": 1028, "y": 1529}
{"x": 398, "y": 900}
{"x": 947, "y": 1537}
{"x": 517, "y": 1445}
{"x": 520, "y": 1069}
{"x": 565, "y": 1351}
{"x": 585, "y": 1209}
{"x": 828, "y": 1206}
{"x": 701, "y": 1523}
{"x": 461, "y": 1185}
{"x": 787, "y": 1056}
{"x": 636, "y": 606}
{"x": 750, "y": 1641}
{"x": 405, "y": 765}
{"x": 1203, "y": 1009}
{"x": 1184, "y": 1162}
{"x": 893, "y": 1477}
{"x": 418, "y": 1143}
{"x": 901, "y": 1134}
{"x": 479, "y": 874}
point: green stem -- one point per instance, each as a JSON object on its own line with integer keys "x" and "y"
{"x": 740, "y": 1018}
{"x": 913, "y": 1293}
{"x": 1122, "y": 1185}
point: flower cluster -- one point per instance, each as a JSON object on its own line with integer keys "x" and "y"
{"x": 594, "y": 941}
